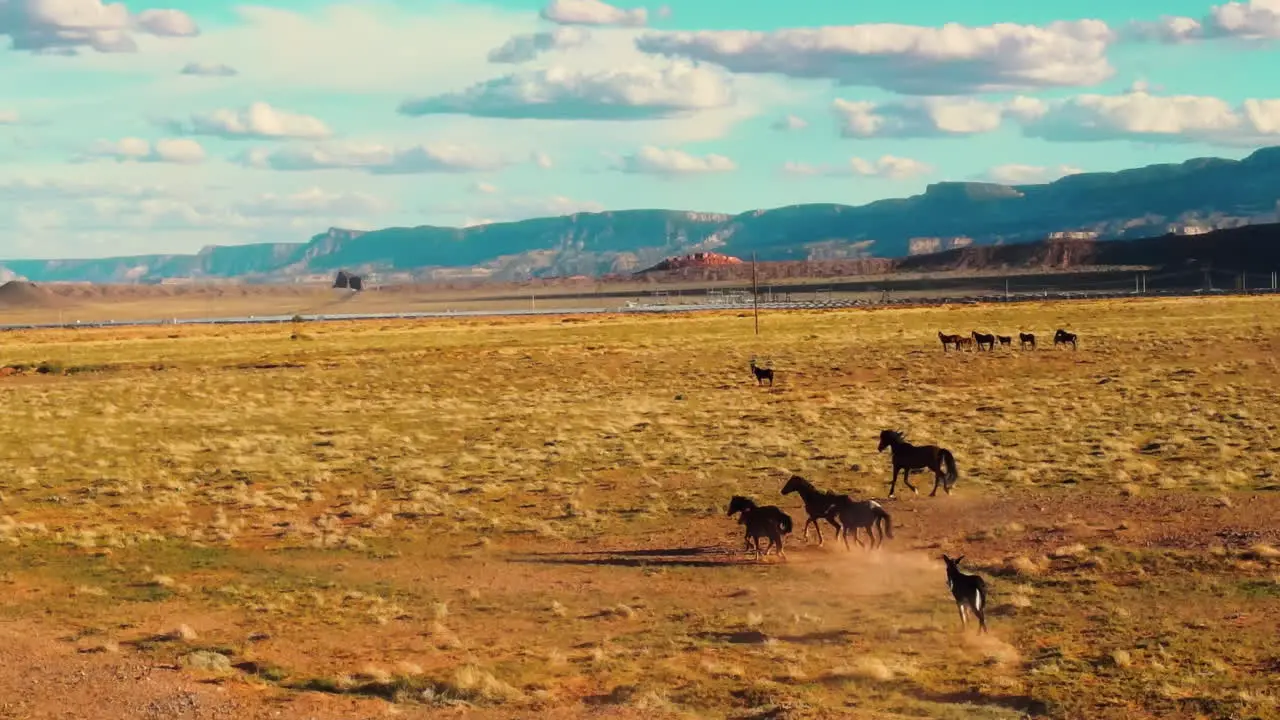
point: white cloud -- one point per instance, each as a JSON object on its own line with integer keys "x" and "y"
{"x": 790, "y": 122}
{"x": 258, "y": 121}
{"x": 1015, "y": 174}
{"x": 559, "y": 93}
{"x": 543, "y": 160}
{"x": 1250, "y": 20}
{"x": 375, "y": 158}
{"x": 658, "y": 161}
{"x": 208, "y": 70}
{"x": 593, "y": 12}
{"x": 66, "y": 26}
{"x": 314, "y": 201}
{"x": 494, "y": 208}
{"x": 918, "y": 117}
{"x": 889, "y": 167}
{"x": 180, "y": 151}
{"x": 9, "y": 117}
{"x": 527, "y": 47}
{"x": 909, "y": 59}
{"x": 484, "y": 188}
{"x": 1138, "y": 115}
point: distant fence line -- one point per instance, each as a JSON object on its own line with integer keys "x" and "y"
{"x": 739, "y": 302}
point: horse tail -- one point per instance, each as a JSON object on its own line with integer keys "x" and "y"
{"x": 784, "y": 522}
{"x": 950, "y": 460}
{"x": 888, "y": 522}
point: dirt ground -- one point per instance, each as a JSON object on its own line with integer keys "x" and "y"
{"x": 504, "y": 518}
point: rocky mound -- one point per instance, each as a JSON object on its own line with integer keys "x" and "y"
{"x": 696, "y": 260}
{"x": 17, "y": 294}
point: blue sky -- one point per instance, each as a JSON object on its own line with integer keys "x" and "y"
{"x": 166, "y": 126}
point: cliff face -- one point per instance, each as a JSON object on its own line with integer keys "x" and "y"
{"x": 1141, "y": 202}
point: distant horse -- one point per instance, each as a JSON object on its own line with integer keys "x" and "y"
{"x": 963, "y": 342}
{"x": 761, "y": 522}
{"x": 948, "y": 340}
{"x": 818, "y": 505}
{"x": 908, "y": 457}
{"x": 866, "y": 514}
{"x": 1062, "y": 337}
{"x": 1005, "y": 340}
{"x": 1027, "y": 339}
{"x": 984, "y": 339}
{"x": 761, "y": 374}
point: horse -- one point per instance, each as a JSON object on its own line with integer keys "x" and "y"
{"x": 1005, "y": 340}
{"x": 963, "y": 342}
{"x": 908, "y": 457}
{"x": 1062, "y": 337}
{"x": 984, "y": 339}
{"x": 949, "y": 340}
{"x": 1027, "y": 339}
{"x": 818, "y": 504}
{"x": 761, "y": 374}
{"x": 867, "y": 514}
{"x": 767, "y": 522}
{"x": 969, "y": 591}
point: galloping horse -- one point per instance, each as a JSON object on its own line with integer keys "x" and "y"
{"x": 818, "y": 505}
{"x": 908, "y": 457}
{"x": 767, "y": 522}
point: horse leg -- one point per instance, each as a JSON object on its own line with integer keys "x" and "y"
{"x": 818, "y": 527}
{"x": 906, "y": 478}
{"x": 894, "y": 482}
{"x": 835, "y": 525}
{"x": 964, "y": 619}
{"x": 937, "y": 480}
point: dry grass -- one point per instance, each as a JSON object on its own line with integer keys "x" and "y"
{"x": 529, "y": 513}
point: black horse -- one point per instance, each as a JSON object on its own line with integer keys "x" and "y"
{"x": 1027, "y": 339}
{"x": 818, "y": 504}
{"x": 761, "y": 522}
{"x": 908, "y": 457}
{"x": 1062, "y": 337}
{"x": 868, "y": 515}
{"x": 761, "y": 374}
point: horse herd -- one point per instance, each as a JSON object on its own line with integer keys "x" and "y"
{"x": 846, "y": 516}
{"x": 985, "y": 341}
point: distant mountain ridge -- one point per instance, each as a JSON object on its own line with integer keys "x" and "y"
{"x": 1200, "y": 194}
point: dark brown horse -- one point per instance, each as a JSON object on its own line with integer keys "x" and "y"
{"x": 963, "y": 342}
{"x": 761, "y": 374}
{"x": 1027, "y": 339}
{"x": 1062, "y": 337}
{"x": 866, "y": 514}
{"x": 761, "y": 522}
{"x": 818, "y": 505}
{"x": 1005, "y": 340}
{"x": 984, "y": 339}
{"x": 908, "y": 457}
{"x": 949, "y": 340}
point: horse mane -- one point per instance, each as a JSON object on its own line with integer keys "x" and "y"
{"x": 894, "y": 435}
{"x": 801, "y": 481}
{"x": 741, "y": 503}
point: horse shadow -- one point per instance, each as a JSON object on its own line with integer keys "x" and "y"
{"x": 696, "y": 557}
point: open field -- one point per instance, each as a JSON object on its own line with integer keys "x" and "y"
{"x": 526, "y": 516}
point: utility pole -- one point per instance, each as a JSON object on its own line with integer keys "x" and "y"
{"x": 1137, "y": 286}
{"x": 1144, "y": 283}
{"x": 755, "y": 292}
{"x": 1006, "y": 288}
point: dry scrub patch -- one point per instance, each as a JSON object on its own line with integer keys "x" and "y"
{"x": 527, "y": 515}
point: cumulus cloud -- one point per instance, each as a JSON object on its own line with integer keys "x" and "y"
{"x": 635, "y": 93}
{"x": 651, "y": 160}
{"x": 523, "y": 48}
{"x": 374, "y": 158}
{"x": 918, "y": 117}
{"x": 484, "y": 188}
{"x": 909, "y": 59}
{"x": 208, "y": 70}
{"x": 66, "y": 26}
{"x": 258, "y": 121}
{"x": 593, "y": 12}
{"x": 495, "y": 208}
{"x": 1139, "y": 115}
{"x": 1250, "y": 20}
{"x": 179, "y": 151}
{"x": 1015, "y": 174}
{"x": 790, "y": 122}
{"x": 889, "y": 167}
{"x": 314, "y": 201}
